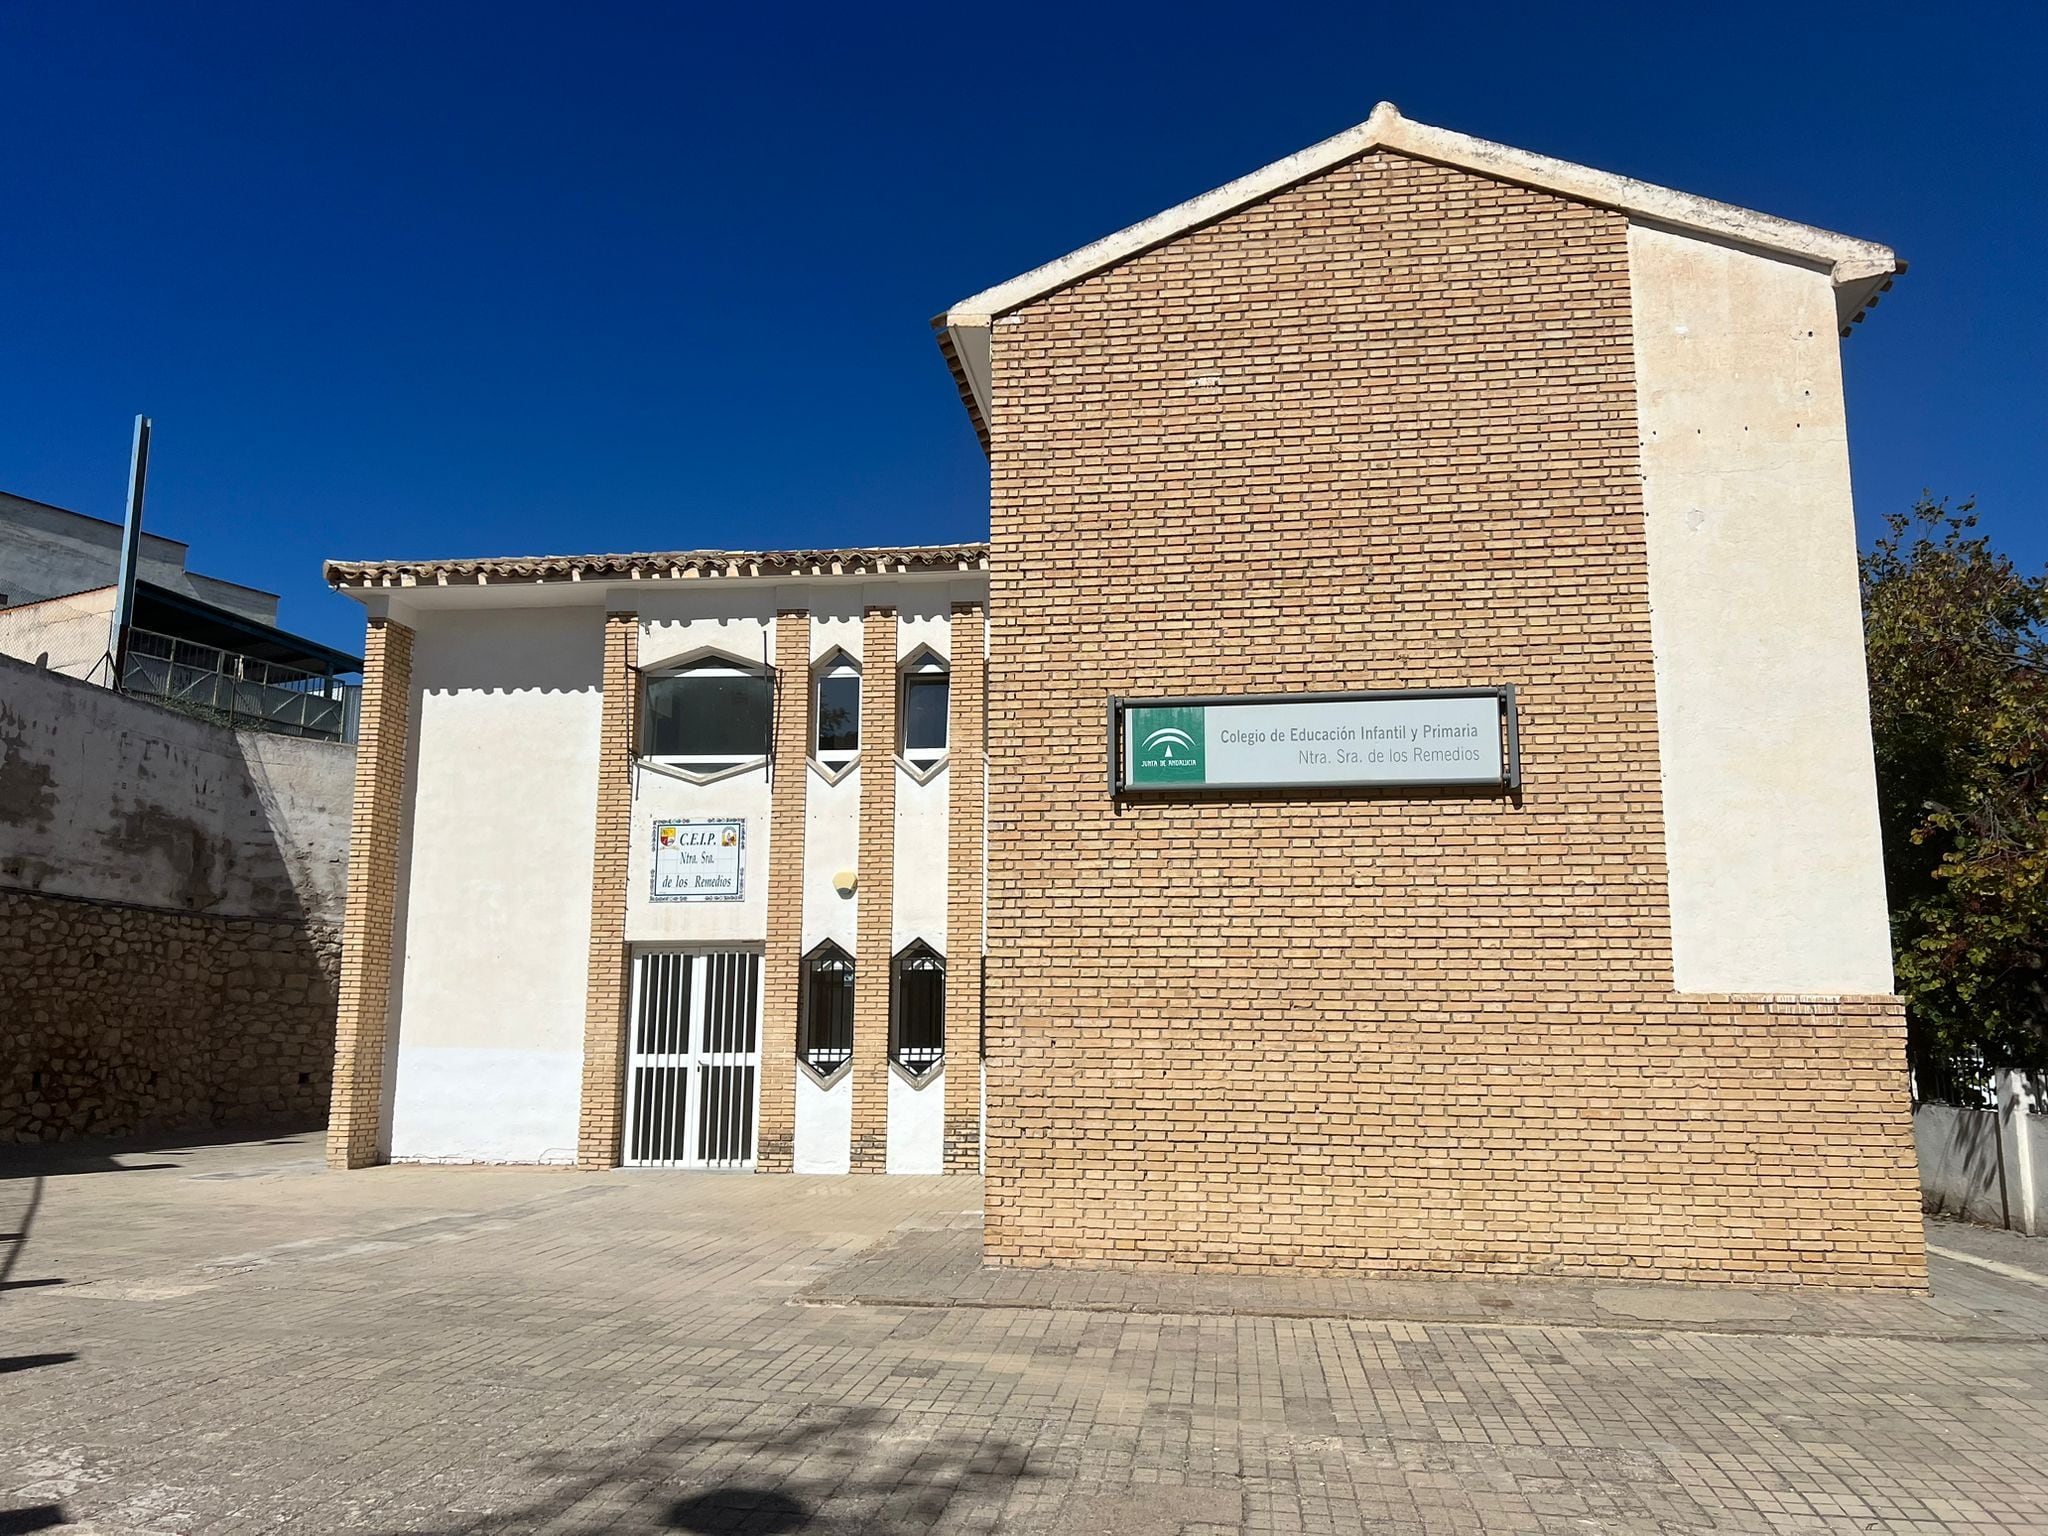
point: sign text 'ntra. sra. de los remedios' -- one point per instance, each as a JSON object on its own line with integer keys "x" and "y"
{"x": 700, "y": 861}
{"x": 1455, "y": 737}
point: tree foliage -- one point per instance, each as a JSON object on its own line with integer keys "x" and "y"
{"x": 1957, "y": 638}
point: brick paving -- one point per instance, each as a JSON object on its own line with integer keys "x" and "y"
{"x": 232, "y": 1339}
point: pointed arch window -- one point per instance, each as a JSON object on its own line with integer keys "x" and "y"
{"x": 917, "y": 1008}
{"x": 835, "y": 712}
{"x": 708, "y": 717}
{"x": 926, "y": 702}
{"x": 824, "y": 1026}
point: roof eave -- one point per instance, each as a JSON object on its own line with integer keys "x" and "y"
{"x": 924, "y": 560}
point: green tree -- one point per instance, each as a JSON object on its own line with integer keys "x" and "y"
{"x": 1957, "y": 638}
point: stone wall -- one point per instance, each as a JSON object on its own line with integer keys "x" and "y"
{"x": 116, "y": 1020}
{"x": 169, "y": 917}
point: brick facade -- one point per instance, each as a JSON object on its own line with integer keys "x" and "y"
{"x": 1377, "y": 431}
{"x": 965, "y": 771}
{"x": 876, "y": 894}
{"x": 782, "y": 955}
{"x": 601, "y": 1122}
{"x": 364, "y": 992}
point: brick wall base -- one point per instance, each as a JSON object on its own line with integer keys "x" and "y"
{"x": 1757, "y": 1142}
{"x": 119, "y": 1020}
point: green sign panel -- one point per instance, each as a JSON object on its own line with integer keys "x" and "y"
{"x": 1453, "y": 737}
{"x": 1167, "y": 746}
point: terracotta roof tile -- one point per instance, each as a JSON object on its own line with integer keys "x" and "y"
{"x": 658, "y": 566}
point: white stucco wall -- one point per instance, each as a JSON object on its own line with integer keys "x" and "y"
{"x": 824, "y": 1125}
{"x": 832, "y": 810}
{"x": 1770, "y": 803}
{"x": 495, "y": 857}
{"x": 67, "y": 634}
{"x": 917, "y": 1115}
{"x": 496, "y": 915}
{"x": 921, "y": 866}
{"x": 917, "y": 1123}
{"x": 832, "y": 843}
{"x": 674, "y": 626}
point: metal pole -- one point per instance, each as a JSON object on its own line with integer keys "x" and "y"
{"x": 131, "y": 555}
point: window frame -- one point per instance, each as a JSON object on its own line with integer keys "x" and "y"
{"x": 835, "y": 761}
{"x": 702, "y": 767}
{"x": 826, "y": 952}
{"x": 922, "y": 666}
{"x": 922, "y": 957}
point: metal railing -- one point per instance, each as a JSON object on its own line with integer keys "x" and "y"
{"x": 1969, "y": 1082}
{"x": 239, "y": 691}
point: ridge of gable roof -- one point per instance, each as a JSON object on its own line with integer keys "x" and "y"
{"x": 1859, "y": 269}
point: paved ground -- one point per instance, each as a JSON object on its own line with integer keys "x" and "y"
{"x": 219, "y": 1339}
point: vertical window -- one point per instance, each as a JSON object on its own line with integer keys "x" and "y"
{"x": 709, "y": 717}
{"x": 837, "y": 712}
{"x": 917, "y": 1008}
{"x": 927, "y": 697}
{"x": 824, "y": 1026}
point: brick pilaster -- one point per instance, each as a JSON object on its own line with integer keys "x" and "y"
{"x": 966, "y": 771}
{"x": 876, "y": 915}
{"x": 362, "y": 1018}
{"x": 602, "y": 1119}
{"x": 781, "y": 962}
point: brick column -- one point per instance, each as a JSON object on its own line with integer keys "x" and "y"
{"x": 362, "y": 1017}
{"x": 876, "y": 916}
{"x": 782, "y": 960}
{"x": 602, "y": 1120}
{"x": 966, "y": 769}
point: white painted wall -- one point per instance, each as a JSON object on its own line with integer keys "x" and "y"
{"x": 824, "y": 1125}
{"x": 496, "y": 919}
{"x": 113, "y": 798}
{"x": 922, "y": 818}
{"x": 832, "y": 843}
{"x": 917, "y": 1122}
{"x": 824, "y": 1116}
{"x": 921, "y": 809}
{"x": 66, "y": 634}
{"x": 674, "y": 626}
{"x": 1770, "y": 802}
{"x": 494, "y": 881}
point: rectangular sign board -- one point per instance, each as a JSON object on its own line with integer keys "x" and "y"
{"x": 700, "y": 861}
{"x": 1450, "y": 737}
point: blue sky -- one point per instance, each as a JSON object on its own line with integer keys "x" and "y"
{"x": 414, "y": 280}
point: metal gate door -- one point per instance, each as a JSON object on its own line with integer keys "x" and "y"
{"x": 693, "y": 1073}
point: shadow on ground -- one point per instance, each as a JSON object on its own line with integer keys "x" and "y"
{"x": 822, "y": 1470}
{"x": 37, "y": 1517}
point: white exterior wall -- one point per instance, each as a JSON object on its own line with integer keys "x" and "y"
{"x": 1769, "y": 789}
{"x": 675, "y": 626}
{"x": 65, "y": 634}
{"x": 917, "y": 1123}
{"x": 496, "y": 892}
{"x": 917, "y": 1112}
{"x": 824, "y": 1125}
{"x": 497, "y": 847}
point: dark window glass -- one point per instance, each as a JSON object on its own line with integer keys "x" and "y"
{"x": 839, "y": 713}
{"x": 825, "y": 1009}
{"x": 711, "y": 715}
{"x": 917, "y": 1008}
{"x": 924, "y": 712}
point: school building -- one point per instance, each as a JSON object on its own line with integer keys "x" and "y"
{"x": 1393, "y": 793}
